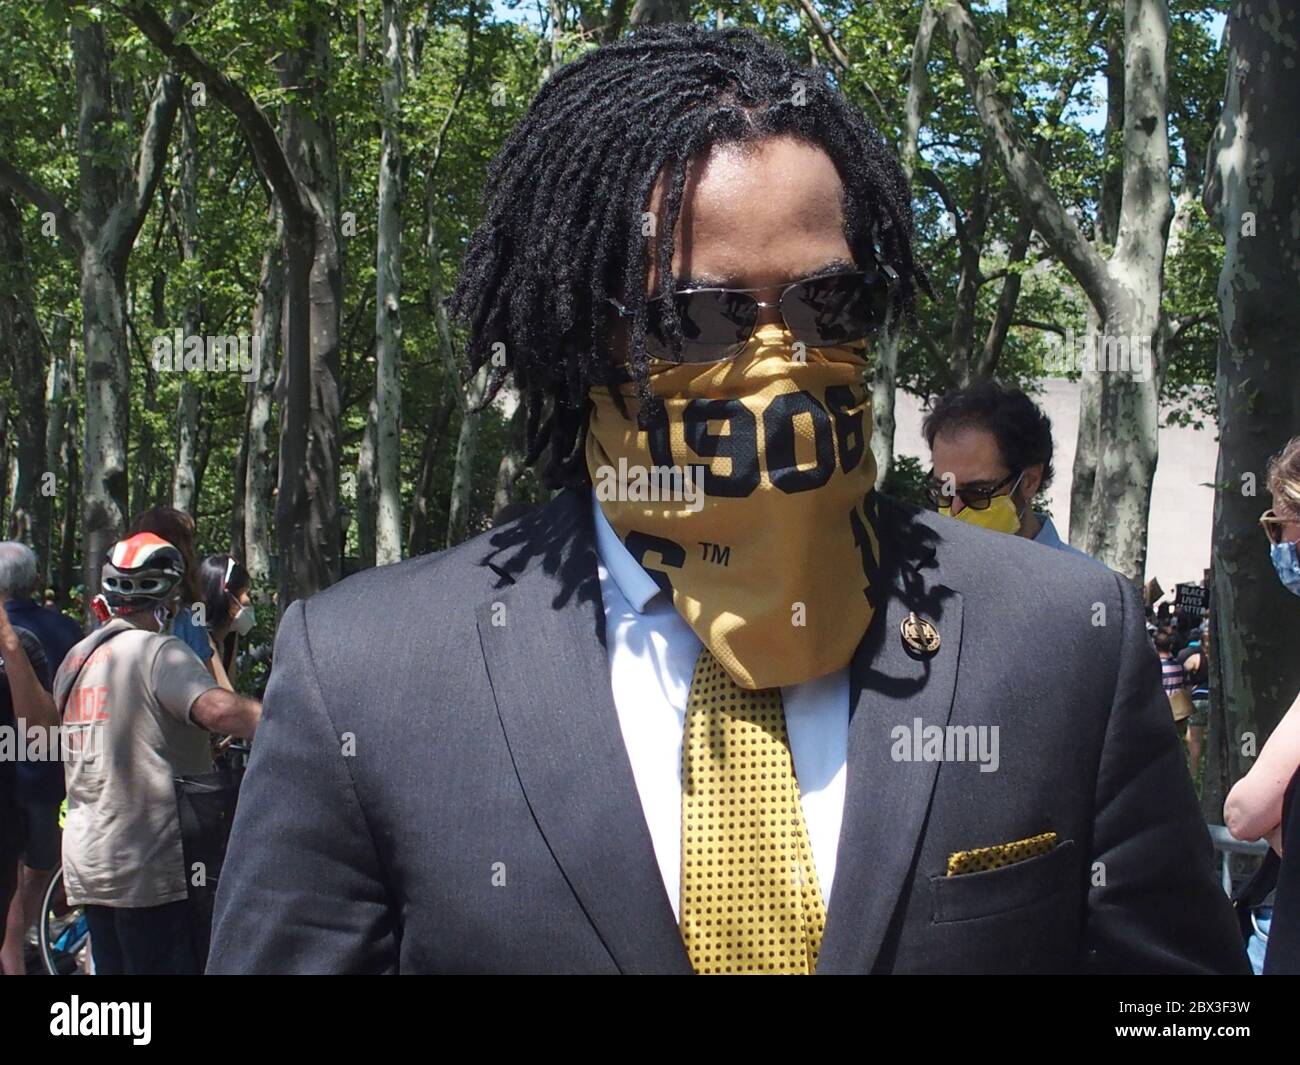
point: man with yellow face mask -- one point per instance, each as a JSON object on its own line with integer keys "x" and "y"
{"x": 717, "y": 706}
{"x": 991, "y": 448}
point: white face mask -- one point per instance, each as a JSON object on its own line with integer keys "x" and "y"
{"x": 243, "y": 621}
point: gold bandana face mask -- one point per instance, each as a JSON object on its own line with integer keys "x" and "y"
{"x": 1001, "y": 515}
{"x": 748, "y": 502}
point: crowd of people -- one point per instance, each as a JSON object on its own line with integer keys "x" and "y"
{"x": 141, "y": 701}
{"x": 1185, "y": 677}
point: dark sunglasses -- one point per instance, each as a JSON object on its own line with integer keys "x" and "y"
{"x": 975, "y": 498}
{"x": 821, "y": 311}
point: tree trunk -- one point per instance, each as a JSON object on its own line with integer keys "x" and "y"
{"x": 615, "y": 20}
{"x": 184, "y": 476}
{"x": 57, "y": 403}
{"x": 513, "y": 447}
{"x": 462, "y": 482}
{"x": 512, "y": 462}
{"x": 467, "y": 399}
{"x": 388, "y": 296}
{"x": 1184, "y": 208}
{"x": 6, "y": 473}
{"x": 142, "y": 463}
{"x": 70, "y": 481}
{"x": 24, "y": 349}
{"x": 884, "y": 380}
{"x": 68, "y": 552}
{"x": 1129, "y": 425}
{"x": 115, "y": 194}
{"x": 884, "y": 388}
{"x": 1009, "y": 295}
{"x": 1185, "y": 203}
{"x": 307, "y": 506}
{"x": 555, "y": 17}
{"x": 292, "y": 502}
{"x": 1112, "y": 173}
{"x": 202, "y": 452}
{"x": 1129, "y": 408}
{"x": 367, "y": 501}
{"x": 419, "y": 534}
{"x": 1252, "y": 189}
{"x": 259, "y": 483}
{"x": 239, "y": 487}
{"x": 1086, "y": 442}
{"x": 1105, "y": 235}
{"x": 656, "y": 12}
{"x": 961, "y": 341}
{"x": 103, "y": 317}
{"x": 104, "y": 478}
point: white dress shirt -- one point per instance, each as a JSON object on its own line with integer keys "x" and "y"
{"x": 652, "y": 653}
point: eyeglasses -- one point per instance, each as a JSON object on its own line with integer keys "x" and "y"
{"x": 1273, "y": 525}
{"x": 975, "y": 498}
{"x": 717, "y": 323}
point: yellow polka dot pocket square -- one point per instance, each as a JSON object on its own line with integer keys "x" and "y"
{"x": 982, "y": 858}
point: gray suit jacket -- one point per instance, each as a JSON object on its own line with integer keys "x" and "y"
{"x": 439, "y": 782}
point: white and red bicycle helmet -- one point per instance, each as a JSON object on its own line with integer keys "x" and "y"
{"x": 141, "y": 571}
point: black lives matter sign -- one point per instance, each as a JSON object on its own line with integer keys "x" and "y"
{"x": 1190, "y": 599}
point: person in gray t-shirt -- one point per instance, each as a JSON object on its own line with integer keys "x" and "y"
{"x": 137, "y": 707}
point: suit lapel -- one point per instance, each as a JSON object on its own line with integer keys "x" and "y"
{"x": 542, "y": 637}
{"x": 887, "y": 799}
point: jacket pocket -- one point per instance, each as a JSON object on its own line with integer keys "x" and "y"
{"x": 1009, "y": 887}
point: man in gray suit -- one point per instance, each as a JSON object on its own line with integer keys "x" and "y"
{"x": 718, "y": 706}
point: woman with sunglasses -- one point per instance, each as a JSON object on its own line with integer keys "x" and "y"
{"x": 1255, "y": 805}
{"x": 225, "y": 586}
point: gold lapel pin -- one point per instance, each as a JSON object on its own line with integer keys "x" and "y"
{"x": 920, "y": 637}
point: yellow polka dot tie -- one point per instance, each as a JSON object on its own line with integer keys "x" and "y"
{"x": 750, "y": 900}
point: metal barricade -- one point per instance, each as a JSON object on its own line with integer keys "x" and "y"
{"x": 1226, "y": 844}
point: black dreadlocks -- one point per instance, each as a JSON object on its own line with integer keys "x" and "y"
{"x": 564, "y": 199}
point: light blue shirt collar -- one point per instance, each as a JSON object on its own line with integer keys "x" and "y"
{"x": 637, "y": 586}
{"x": 1047, "y": 534}
{"x": 1049, "y": 537}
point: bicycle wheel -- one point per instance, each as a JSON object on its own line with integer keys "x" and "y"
{"x": 64, "y": 933}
